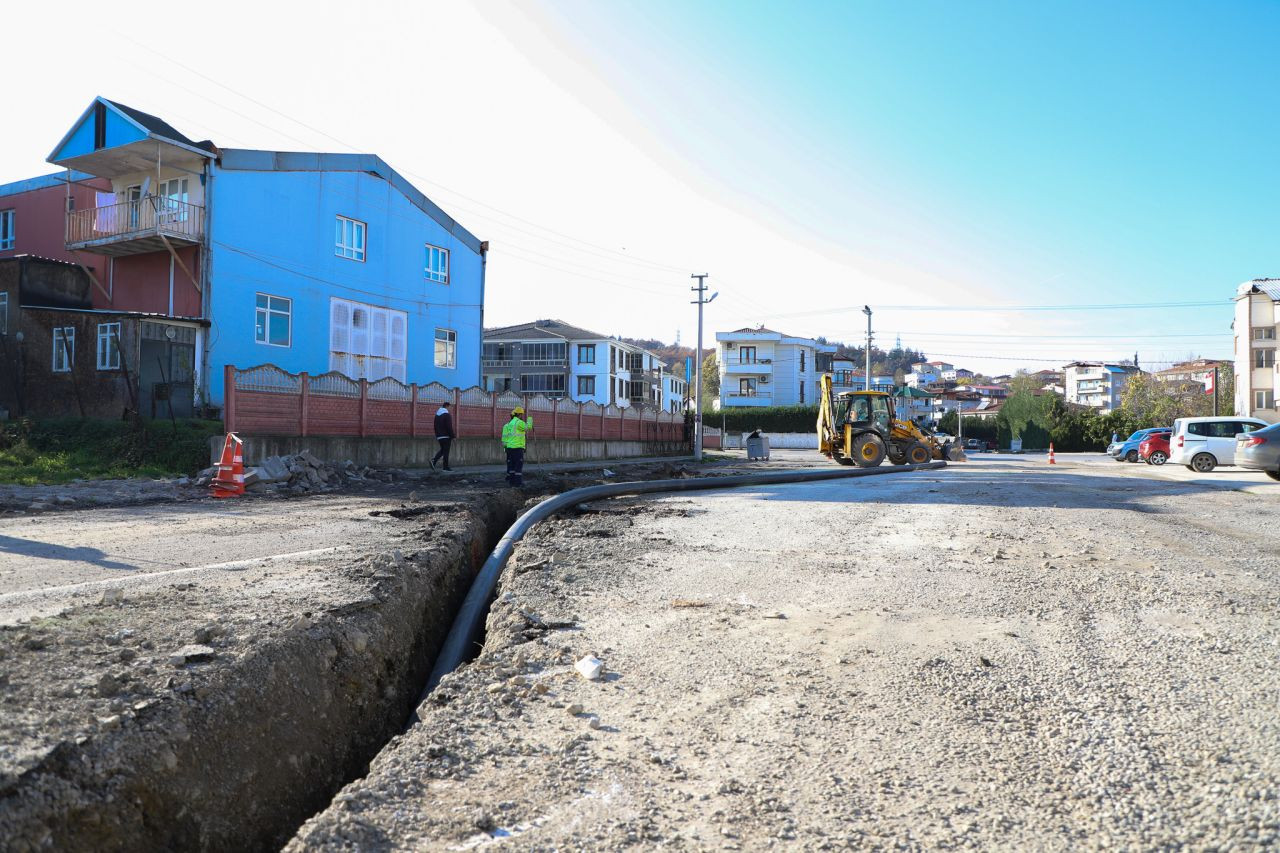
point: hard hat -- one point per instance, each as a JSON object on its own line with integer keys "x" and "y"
{"x": 518, "y": 410}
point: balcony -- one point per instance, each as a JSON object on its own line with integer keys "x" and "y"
{"x": 756, "y": 398}
{"x": 759, "y": 367}
{"x": 151, "y": 224}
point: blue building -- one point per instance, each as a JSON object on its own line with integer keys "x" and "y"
{"x": 309, "y": 261}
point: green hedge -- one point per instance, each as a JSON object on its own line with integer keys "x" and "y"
{"x": 766, "y": 418}
{"x": 63, "y": 449}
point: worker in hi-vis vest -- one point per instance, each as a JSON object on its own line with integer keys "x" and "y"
{"x": 513, "y": 439}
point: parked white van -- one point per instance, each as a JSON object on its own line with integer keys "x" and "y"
{"x": 1203, "y": 444}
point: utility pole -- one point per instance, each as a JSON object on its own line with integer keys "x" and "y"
{"x": 866, "y": 309}
{"x": 701, "y": 290}
{"x": 1215, "y": 390}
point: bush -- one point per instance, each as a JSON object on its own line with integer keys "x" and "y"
{"x": 766, "y": 418}
{"x": 63, "y": 449}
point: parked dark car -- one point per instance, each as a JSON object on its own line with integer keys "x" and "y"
{"x": 1154, "y": 449}
{"x": 1260, "y": 450}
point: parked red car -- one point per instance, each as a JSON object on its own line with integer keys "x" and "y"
{"x": 1154, "y": 449}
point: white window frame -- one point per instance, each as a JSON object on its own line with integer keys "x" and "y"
{"x": 1265, "y": 399}
{"x": 8, "y": 228}
{"x": 1264, "y": 357}
{"x": 174, "y": 196}
{"x": 266, "y": 312}
{"x": 108, "y": 346}
{"x": 1264, "y": 333}
{"x": 446, "y": 349}
{"x": 356, "y": 249}
{"x": 64, "y": 357}
{"x": 368, "y": 341}
{"x": 436, "y": 264}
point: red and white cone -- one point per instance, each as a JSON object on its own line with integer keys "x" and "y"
{"x": 1052, "y": 461}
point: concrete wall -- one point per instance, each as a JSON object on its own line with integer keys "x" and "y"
{"x": 417, "y": 452}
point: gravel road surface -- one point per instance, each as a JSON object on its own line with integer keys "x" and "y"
{"x": 996, "y": 655}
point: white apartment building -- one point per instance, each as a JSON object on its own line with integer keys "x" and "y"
{"x": 675, "y": 393}
{"x": 951, "y": 374}
{"x": 761, "y": 367}
{"x": 1257, "y": 327}
{"x": 929, "y": 373}
{"x": 557, "y": 359}
{"x": 848, "y": 376}
{"x": 1096, "y": 384}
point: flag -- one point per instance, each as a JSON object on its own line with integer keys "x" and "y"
{"x": 1208, "y": 382}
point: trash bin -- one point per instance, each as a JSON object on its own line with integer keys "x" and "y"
{"x": 757, "y": 446}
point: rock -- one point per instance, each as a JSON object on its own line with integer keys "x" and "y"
{"x": 37, "y": 507}
{"x": 594, "y": 722}
{"x": 496, "y": 687}
{"x": 126, "y": 655}
{"x": 274, "y": 469}
{"x": 109, "y": 685}
{"x": 253, "y": 475}
{"x": 184, "y": 481}
{"x": 574, "y": 710}
{"x": 206, "y": 633}
{"x": 192, "y": 654}
{"x": 112, "y": 722}
{"x": 359, "y": 641}
{"x": 590, "y": 667}
{"x": 111, "y": 595}
{"x": 64, "y": 500}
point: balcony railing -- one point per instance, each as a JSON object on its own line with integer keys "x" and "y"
{"x": 130, "y": 227}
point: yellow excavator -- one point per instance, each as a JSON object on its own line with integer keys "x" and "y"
{"x": 860, "y": 428}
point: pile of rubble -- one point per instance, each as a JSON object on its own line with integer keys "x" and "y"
{"x": 301, "y": 474}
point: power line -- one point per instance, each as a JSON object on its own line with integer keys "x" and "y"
{"x": 1017, "y": 308}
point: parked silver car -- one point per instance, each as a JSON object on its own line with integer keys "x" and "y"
{"x": 1260, "y": 450}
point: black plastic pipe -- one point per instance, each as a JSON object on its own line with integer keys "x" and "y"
{"x": 471, "y": 616}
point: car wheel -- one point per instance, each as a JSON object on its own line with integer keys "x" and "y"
{"x": 1131, "y": 456}
{"x": 1203, "y": 463}
{"x": 1275, "y": 475}
{"x": 1157, "y": 457}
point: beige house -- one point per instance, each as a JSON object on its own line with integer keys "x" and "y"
{"x": 1257, "y": 326}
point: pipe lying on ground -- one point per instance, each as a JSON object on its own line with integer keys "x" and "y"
{"x": 471, "y": 616}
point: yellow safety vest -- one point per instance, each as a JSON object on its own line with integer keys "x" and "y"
{"x": 514, "y": 430}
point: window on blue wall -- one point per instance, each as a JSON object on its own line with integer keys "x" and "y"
{"x": 273, "y": 320}
{"x": 349, "y": 239}
{"x": 446, "y": 348}
{"x": 586, "y": 353}
{"x": 437, "y": 264}
{"x": 587, "y": 386}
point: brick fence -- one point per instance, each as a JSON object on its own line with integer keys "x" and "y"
{"x": 266, "y": 400}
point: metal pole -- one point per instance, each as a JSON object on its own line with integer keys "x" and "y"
{"x": 1215, "y": 390}
{"x": 866, "y": 309}
{"x": 701, "y": 290}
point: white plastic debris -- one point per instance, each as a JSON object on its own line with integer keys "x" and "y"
{"x": 608, "y": 473}
{"x": 590, "y": 668}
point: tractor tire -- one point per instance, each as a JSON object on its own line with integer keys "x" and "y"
{"x": 897, "y": 455}
{"x": 868, "y": 450}
{"x": 918, "y": 453}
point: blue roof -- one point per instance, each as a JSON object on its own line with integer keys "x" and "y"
{"x": 249, "y": 160}
{"x": 42, "y": 182}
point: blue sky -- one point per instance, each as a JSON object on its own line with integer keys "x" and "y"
{"x": 809, "y": 156}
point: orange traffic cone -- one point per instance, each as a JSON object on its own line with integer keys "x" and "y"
{"x": 229, "y": 481}
{"x": 1051, "y": 459}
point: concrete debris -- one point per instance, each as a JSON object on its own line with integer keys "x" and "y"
{"x": 590, "y": 667}
{"x": 112, "y": 595}
{"x": 194, "y": 653}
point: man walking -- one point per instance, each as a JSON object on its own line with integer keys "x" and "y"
{"x": 445, "y": 434}
{"x": 513, "y": 439}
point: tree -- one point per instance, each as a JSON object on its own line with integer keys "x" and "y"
{"x": 1151, "y": 402}
{"x": 1024, "y": 381}
{"x": 710, "y": 379}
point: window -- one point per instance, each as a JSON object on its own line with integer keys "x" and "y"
{"x": 173, "y": 197}
{"x": 367, "y": 341}
{"x": 437, "y": 268}
{"x": 349, "y": 239}
{"x": 273, "y": 324}
{"x": 1264, "y": 358}
{"x": 447, "y": 348}
{"x": 802, "y": 384}
{"x": 586, "y": 353}
{"x": 497, "y": 383}
{"x": 1198, "y": 428}
{"x": 1264, "y": 399}
{"x": 635, "y": 361}
{"x": 587, "y": 386}
{"x": 545, "y": 354}
{"x": 802, "y": 355}
{"x": 746, "y": 355}
{"x": 551, "y": 384}
{"x": 64, "y": 349}
{"x": 7, "y": 238}
{"x": 4, "y": 313}
{"x": 747, "y": 387}
{"x": 108, "y": 346}
{"x": 635, "y": 392}
{"x": 1265, "y": 334}
{"x": 495, "y": 355}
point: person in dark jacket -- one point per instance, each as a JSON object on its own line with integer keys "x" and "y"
{"x": 445, "y": 434}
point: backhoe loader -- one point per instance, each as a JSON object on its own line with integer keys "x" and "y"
{"x": 860, "y": 428}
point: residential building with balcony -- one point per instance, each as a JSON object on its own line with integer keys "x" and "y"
{"x": 675, "y": 393}
{"x": 1257, "y": 329}
{"x": 1095, "y": 384}
{"x": 310, "y": 261}
{"x": 1196, "y": 370}
{"x": 558, "y": 359}
{"x": 763, "y": 367}
{"x": 846, "y": 375}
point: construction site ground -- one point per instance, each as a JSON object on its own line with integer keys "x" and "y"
{"x": 998, "y": 655}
